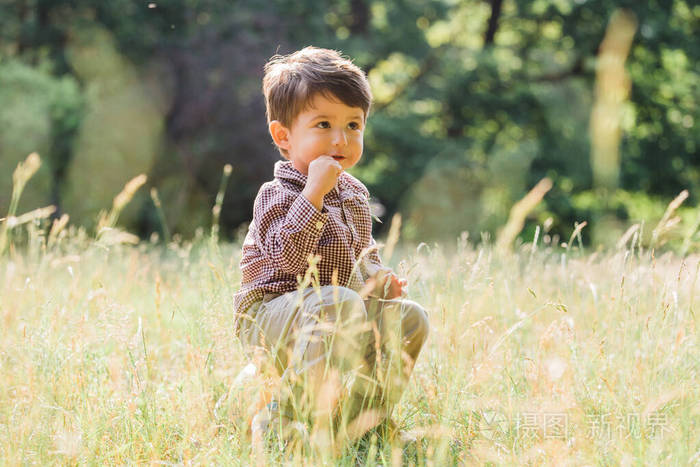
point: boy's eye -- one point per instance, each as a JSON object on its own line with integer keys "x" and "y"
{"x": 354, "y": 125}
{"x": 323, "y": 124}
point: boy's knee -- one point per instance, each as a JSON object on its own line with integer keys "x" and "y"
{"x": 339, "y": 304}
{"x": 348, "y": 304}
{"x": 341, "y": 316}
{"x": 416, "y": 324}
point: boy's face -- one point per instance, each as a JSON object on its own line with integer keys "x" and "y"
{"x": 327, "y": 127}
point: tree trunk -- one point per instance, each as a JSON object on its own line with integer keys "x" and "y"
{"x": 493, "y": 21}
{"x": 22, "y": 12}
{"x": 360, "y": 17}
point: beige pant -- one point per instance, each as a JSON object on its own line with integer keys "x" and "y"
{"x": 315, "y": 332}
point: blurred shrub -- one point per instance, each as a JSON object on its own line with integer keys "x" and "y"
{"x": 610, "y": 215}
{"x": 122, "y": 128}
{"x": 39, "y": 112}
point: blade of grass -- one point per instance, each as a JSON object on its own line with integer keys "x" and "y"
{"x": 216, "y": 210}
{"x": 24, "y": 171}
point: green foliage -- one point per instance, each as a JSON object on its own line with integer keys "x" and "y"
{"x": 121, "y": 131}
{"x": 528, "y": 92}
{"x": 623, "y": 209}
{"x": 39, "y": 112}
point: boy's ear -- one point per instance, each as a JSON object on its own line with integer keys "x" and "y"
{"x": 280, "y": 134}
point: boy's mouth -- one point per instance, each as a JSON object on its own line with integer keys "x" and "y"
{"x": 338, "y": 158}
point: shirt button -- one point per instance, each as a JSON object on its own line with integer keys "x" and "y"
{"x": 319, "y": 225}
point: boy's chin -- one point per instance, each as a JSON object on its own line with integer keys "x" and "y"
{"x": 347, "y": 163}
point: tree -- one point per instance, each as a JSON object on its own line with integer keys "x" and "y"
{"x": 475, "y": 101}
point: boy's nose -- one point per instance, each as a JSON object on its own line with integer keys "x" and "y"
{"x": 339, "y": 138}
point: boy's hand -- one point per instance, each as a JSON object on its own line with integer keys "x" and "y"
{"x": 388, "y": 285}
{"x": 397, "y": 288}
{"x": 323, "y": 174}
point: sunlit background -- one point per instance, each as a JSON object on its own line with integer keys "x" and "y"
{"x": 475, "y": 103}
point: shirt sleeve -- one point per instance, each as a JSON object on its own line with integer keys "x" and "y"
{"x": 371, "y": 264}
{"x": 287, "y": 228}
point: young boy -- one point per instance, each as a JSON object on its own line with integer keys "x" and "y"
{"x": 348, "y": 344}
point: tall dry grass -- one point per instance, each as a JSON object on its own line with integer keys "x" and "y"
{"x": 119, "y": 352}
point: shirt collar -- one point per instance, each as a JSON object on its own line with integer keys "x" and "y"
{"x": 284, "y": 170}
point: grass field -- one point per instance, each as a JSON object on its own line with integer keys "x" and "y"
{"x": 114, "y": 352}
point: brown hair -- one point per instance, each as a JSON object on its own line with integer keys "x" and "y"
{"x": 292, "y": 81}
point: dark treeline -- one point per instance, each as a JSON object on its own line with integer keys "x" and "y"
{"x": 475, "y": 101}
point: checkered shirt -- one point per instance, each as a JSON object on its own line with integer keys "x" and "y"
{"x": 287, "y": 228}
